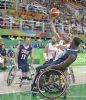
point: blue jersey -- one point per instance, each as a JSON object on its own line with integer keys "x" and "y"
{"x": 65, "y": 55}
{"x": 23, "y": 54}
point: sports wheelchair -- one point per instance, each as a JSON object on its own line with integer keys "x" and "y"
{"x": 14, "y": 72}
{"x": 50, "y": 83}
{"x": 53, "y": 83}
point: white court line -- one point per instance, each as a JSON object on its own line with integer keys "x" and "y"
{"x": 83, "y": 72}
{"x": 14, "y": 92}
{"x": 76, "y": 96}
{"x": 30, "y": 92}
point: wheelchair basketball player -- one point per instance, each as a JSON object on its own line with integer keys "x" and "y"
{"x": 68, "y": 57}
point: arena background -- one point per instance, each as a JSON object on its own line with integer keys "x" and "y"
{"x": 20, "y": 18}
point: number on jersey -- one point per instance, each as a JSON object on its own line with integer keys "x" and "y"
{"x": 23, "y": 56}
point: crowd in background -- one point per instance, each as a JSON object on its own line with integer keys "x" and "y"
{"x": 74, "y": 22}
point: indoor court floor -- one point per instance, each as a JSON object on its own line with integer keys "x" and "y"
{"x": 77, "y": 90}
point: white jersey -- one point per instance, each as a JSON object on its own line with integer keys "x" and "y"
{"x": 59, "y": 53}
{"x": 51, "y": 51}
{"x": 61, "y": 42}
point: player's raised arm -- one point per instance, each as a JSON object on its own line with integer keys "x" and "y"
{"x": 45, "y": 54}
{"x": 54, "y": 12}
{"x": 53, "y": 29}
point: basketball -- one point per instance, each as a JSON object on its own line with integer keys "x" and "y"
{"x": 54, "y": 12}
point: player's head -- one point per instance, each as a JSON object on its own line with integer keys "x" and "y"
{"x": 27, "y": 41}
{"x": 75, "y": 43}
{"x": 53, "y": 40}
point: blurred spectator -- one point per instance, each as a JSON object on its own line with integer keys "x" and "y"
{"x": 10, "y": 57}
{"x": 10, "y": 52}
{"x": 2, "y": 23}
{"x": 18, "y": 38}
{"x": 12, "y": 38}
{"x": 3, "y": 51}
{"x": 3, "y": 57}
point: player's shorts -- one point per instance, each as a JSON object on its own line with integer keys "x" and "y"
{"x": 23, "y": 67}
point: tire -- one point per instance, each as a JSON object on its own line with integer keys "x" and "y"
{"x": 50, "y": 92}
{"x": 11, "y": 75}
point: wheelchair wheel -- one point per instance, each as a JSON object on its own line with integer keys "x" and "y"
{"x": 72, "y": 74}
{"x": 52, "y": 83}
{"x": 11, "y": 75}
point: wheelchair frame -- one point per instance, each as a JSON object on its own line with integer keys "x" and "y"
{"x": 12, "y": 74}
{"x": 66, "y": 79}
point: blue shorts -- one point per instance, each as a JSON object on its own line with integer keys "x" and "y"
{"x": 23, "y": 67}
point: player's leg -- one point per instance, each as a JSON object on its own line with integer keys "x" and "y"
{"x": 38, "y": 70}
{"x": 25, "y": 69}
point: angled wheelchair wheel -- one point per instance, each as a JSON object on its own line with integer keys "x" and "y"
{"x": 11, "y": 75}
{"x": 52, "y": 83}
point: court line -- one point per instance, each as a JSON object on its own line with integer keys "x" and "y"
{"x": 30, "y": 93}
{"x": 76, "y": 96}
